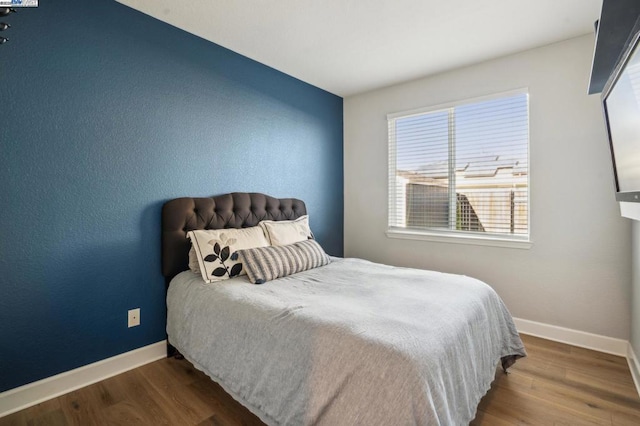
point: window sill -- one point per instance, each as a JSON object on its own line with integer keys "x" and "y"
{"x": 470, "y": 239}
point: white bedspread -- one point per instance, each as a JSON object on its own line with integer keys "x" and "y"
{"x": 349, "y": 343}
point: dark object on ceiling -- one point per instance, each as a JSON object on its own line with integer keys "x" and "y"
{"x": 617, "y": 19}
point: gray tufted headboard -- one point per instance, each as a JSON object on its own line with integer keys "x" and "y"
{"x": 235, "y": 210}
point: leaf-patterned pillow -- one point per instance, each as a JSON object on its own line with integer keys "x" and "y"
{"x": 216, "y": 250}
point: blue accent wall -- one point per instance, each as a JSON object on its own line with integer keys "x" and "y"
{"x": 106, "y": 114}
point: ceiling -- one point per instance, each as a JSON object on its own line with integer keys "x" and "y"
{"x": 352, "y": 46}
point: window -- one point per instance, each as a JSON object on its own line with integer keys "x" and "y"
{"x": 461, "y": 170}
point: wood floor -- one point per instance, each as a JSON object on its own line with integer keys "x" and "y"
{"x": 556, "y": 385}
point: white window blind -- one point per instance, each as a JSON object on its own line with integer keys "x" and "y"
{"x": 462, "y": 168}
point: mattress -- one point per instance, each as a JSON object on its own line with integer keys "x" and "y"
{"x": 353, "y": 342}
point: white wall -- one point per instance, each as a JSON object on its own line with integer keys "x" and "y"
{"x": 578, "y": 272}
{"x": 635, "y": 291}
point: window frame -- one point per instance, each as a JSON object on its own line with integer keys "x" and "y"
{"x": 455, "y": 236}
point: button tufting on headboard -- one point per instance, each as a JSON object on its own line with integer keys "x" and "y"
{"x": 235, "y": 210}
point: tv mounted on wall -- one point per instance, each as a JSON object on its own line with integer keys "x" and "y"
{"x": 621, "y": 105}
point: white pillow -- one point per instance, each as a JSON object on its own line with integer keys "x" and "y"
{"x": 285, "y": 232}
{"x": 216, "y": 250}
{"x": 193, "y": 260}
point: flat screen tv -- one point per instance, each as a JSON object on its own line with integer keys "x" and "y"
{"x": 621, "y": 104}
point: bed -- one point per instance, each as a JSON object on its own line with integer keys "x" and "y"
{"x": 350, "y": 342}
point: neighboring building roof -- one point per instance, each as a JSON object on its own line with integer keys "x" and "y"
{"x": 484, "y": 166}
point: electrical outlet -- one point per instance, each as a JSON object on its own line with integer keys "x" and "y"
{"x": 134, "y": 317}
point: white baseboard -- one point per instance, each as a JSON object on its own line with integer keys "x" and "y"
{"x": 34, "y": 393}
{"x": 634, "y": 366}
{"x": 569, "y": 336}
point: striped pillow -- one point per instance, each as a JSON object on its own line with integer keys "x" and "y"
{"x": 264, "y": 264}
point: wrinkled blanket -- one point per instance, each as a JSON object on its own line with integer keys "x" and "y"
{"x": 353, "y": 342}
